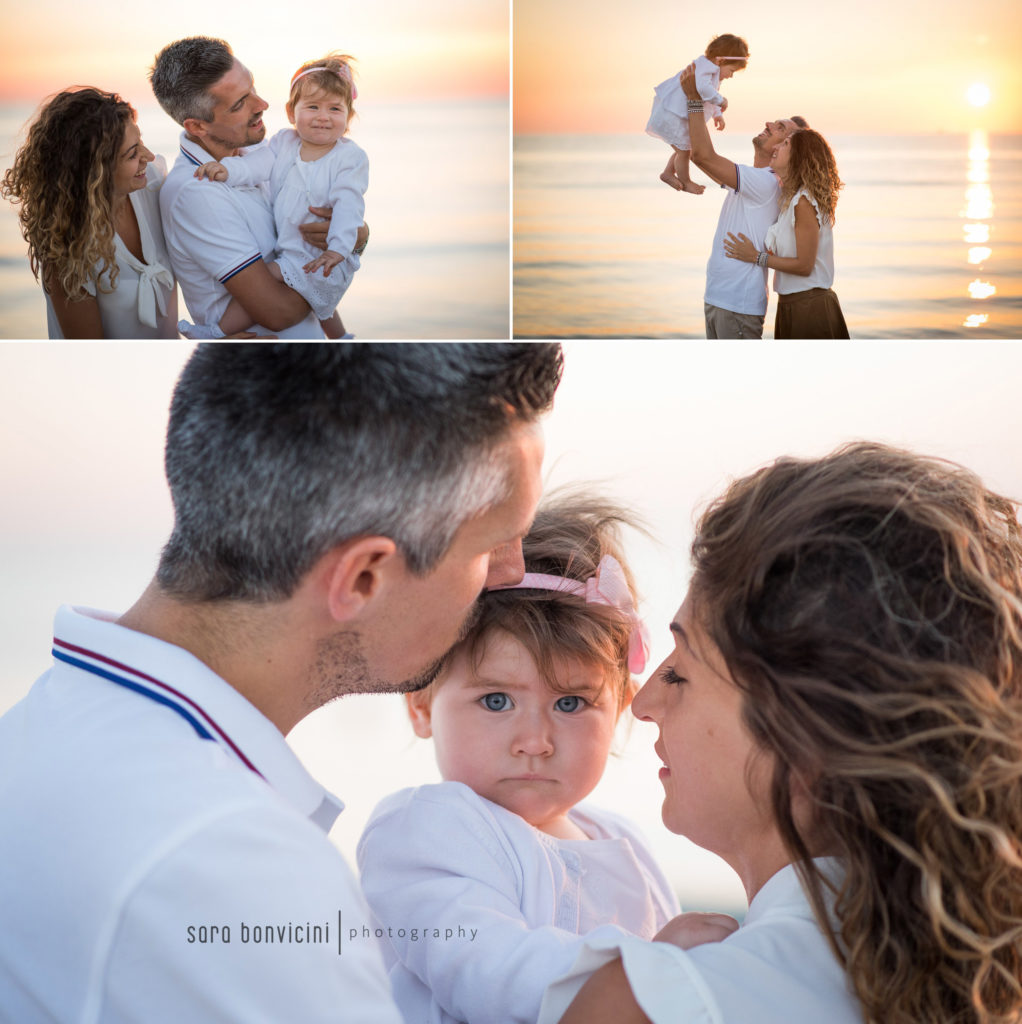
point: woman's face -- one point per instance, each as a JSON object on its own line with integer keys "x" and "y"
{"x": 130, "y": 162}
{"x": 779, "y": 160}
{"x": 715, "y": 778}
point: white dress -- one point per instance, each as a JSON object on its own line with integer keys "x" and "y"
{"x": 780, "y": 239}
{"x": 144, "y": 301}
{"x": 668, "y": 120}
{"x": 338, "y": 180}
{"x": 516, "y": 901}
{"x": 776, "y": 969}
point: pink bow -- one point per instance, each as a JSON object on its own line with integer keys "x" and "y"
{"x": 608, "y": 587}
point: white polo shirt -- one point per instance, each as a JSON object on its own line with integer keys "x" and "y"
{"x": 748, "y": 209}
{"x": 214, "y": 231}
{"x": 163, "y": 853}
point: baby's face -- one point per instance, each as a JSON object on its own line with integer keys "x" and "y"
{"x": 500, "y": 729}
{"x": 320, "y": 117}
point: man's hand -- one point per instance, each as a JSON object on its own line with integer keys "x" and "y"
{"x": 315, "y": 232}
{"x": 688, "y": 82}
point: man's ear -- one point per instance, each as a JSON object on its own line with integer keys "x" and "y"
{"x": 420, "y": 712}
{"x": 193, "y": 126}
{"x": 355, "y": 575}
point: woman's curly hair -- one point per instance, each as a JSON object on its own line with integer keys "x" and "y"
{"x": 869, "y": 606}
{"x": 62, "y": 178}
{"x": 811, "y": 165}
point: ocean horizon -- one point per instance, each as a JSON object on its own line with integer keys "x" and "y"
{"x": 927, "y": 243}
{"x": 438, "y": 261}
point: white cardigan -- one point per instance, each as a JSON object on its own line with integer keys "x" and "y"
{"x": 440, "y": 857}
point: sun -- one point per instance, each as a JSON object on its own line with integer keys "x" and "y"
{"x": 978, "y": 94}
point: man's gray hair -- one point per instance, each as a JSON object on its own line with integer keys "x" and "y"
{"x": 276, "y": 453}
{"x": 184, "y": 72}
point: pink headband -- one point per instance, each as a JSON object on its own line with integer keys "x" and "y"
{"x": 608, "y": 587}
{"x": 344, "y": 72}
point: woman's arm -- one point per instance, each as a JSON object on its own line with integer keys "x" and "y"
{"x": 807, "y": 242}
{"x": 606, "y": 998}
{"x": 77, "y": 319}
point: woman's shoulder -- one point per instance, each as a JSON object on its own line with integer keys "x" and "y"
{"x": 804, "y": 198}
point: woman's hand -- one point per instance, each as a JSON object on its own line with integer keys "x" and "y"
{"x": 740, "y": 248}
{"x": 696, "y": 928}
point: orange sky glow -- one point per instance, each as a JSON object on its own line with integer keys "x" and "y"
{"x": 406, "y": 50}
{"x": 875, "y": 66}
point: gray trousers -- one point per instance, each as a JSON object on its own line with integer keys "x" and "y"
{"x": 722, "y": 323}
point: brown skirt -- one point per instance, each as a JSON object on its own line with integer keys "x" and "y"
{"x": 814, "y": 313}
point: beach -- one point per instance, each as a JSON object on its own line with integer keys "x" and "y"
{"x": 927, "y": 243}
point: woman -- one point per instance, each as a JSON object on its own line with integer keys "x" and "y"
{"x": 88, "y": 190}
{"x": 800, "y": 245}
{"x": 841, "y": 721}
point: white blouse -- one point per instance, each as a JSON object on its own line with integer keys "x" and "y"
{"x": 143, "y": 303}
{"x": 776, "y": 969}
{"x": 780, "y": 239}
{"x": 511, "y": 903}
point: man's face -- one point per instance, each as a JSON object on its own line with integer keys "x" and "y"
{"x": 420, "y": 618}
{"x": 237, "y": 115}
{"x": 773, "y": 134}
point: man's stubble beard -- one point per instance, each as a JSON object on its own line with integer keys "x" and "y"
{"x": 341, "y": 667}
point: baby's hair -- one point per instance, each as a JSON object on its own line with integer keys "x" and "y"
{"x": 572, "y": 531}
{"x": 335, "y": 78}
{"x": 728, "y": 45}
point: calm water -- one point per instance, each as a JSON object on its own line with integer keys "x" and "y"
{"x": 928, "y": 240}
{"x": 438, "y": 264}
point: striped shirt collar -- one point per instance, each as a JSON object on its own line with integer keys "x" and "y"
{"x": 92, "y": 643}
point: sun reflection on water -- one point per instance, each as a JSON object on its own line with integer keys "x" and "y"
{"x": 979, "y": 209}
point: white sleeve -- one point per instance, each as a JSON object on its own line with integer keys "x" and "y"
{"x": 254, "y": 869}
{"x": 705, "y": 86}
{"x": 252, "y": 167}
{"x": 432, "y": 861}
{"x": 663, "y": 979}
{"x": 348, "y": 184}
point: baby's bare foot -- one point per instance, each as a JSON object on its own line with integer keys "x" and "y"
{"x": 671, "y": 180}
{"x": 691, "y": 186}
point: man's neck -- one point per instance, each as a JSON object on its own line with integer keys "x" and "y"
{"x": 210, "y": 146}
{"x": 234, "y": 641}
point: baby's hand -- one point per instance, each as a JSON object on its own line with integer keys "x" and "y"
{"x": 327, "y": 261}
{"x": 695, "y": 928}
{"x": 718, "y": 123}
{"x": 214, "y": 170}
{"x": 723, "y": 104}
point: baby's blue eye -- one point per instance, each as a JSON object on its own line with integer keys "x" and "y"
{"x": 570, "y": 703}
{"x": 496, "y": 701}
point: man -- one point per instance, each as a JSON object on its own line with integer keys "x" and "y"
{"x": 735, "y": 302}
{"x": 337, "y": 510}
{"x": 218, "y": 237}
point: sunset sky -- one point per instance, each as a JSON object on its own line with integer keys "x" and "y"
{"x": 873, "y": 66}
{"x": 405, "y": 49}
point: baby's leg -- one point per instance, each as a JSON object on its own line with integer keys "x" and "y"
{"x": 275, "y": 271}
{"x": 685, "y": 182}
{"x": 667, "y": 175}
{"x": 333, "y": 328}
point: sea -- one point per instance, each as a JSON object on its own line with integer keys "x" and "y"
{"x": 928, "y": 238}
{"x": 438, "y": 262}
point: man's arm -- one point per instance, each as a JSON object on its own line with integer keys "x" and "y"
{"x": 704, "y": 156}
{"x": 268, "y": 301}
